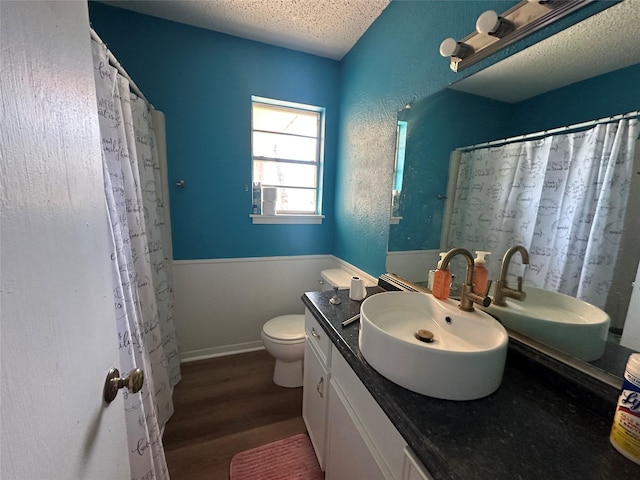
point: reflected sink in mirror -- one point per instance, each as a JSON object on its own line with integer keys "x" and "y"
{"x": 464, "y": 361}
{"x": 560, "y": 321}
{"x": 443, "y": 121}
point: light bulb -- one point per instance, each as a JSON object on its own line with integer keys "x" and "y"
{"x": 490, "y": 23}
{"x": 452, "y": 48}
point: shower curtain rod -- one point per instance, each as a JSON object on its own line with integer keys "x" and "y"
{"x": 544, "y": 133}
{"x": 115, "y": 63}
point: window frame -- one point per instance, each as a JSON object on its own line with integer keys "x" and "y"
{"x": 292, "y": 217}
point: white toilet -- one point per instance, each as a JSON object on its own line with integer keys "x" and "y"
{"x": 283, "y": 336}
{"x": 335, "y": 277}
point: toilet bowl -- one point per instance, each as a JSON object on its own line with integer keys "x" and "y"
{"x": 283, "y": 338}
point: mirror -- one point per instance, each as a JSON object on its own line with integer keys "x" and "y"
{"x": 512, "y": 98}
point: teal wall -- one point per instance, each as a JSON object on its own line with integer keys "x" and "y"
{"x": 397, "y": 61}
{"x": 610, "y": 94}
{"x": 436, "y": 125}
{"x": 203, "y": 82}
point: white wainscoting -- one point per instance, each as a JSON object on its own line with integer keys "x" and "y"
{"x": 413, "y": 265}
{"x": 221, "y": 304}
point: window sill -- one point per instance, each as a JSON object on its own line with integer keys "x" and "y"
{"x": 286, "y": 219}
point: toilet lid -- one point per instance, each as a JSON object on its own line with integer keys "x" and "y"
{"x": 285, "y": 327}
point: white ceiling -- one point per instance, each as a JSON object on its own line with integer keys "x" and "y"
{"x": 328, "y": 28}
{"x": 602, "y": 43}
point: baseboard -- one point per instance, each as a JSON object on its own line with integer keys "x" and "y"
{"x": 225, "y": 350}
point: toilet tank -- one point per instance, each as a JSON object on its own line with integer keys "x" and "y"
{"x": 335, "y": 277}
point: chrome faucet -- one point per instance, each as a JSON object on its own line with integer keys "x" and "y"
{"x": 502, "y": 288}
{"x": 469, "y": 296}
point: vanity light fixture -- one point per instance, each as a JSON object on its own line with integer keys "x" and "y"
{"x": 494, "y": 32}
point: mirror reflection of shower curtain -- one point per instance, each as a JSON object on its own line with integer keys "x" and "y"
{"x": 563, "y": 197}
{"x": 143, "y": 297}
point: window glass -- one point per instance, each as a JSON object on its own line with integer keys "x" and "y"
{"x": 279, "y": 174}
{"x": 287, "y": 146}
{"x": 272, "y": 118}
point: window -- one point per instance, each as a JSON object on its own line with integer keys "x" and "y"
{"x": 398, "y": 171}
{"x": 287, "y": 150}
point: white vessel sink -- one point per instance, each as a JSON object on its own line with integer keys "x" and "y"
{"x": 465, "y": 360}
{"x": 566, "y": 323}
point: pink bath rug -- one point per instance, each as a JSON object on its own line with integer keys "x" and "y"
{"x": 291, "y": 458}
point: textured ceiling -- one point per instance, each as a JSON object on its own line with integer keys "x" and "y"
{"x": 605, "y": 42}
{"x": 328, "y": 28}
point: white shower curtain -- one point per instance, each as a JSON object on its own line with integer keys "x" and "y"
{"x": 563, "y": 197}
{"x": 143, "y": 297}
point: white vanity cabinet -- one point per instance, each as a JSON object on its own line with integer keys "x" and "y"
{"x": 317, "y": 351}
{"x": 352, "y": 436}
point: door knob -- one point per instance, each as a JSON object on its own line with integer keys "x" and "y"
{"x": 133, "y": 381}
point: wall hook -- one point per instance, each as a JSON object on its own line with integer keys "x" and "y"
{"x": 441, "y": 197}
{"x": 181, "y": 184}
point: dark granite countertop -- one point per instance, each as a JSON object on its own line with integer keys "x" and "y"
{"x": 530, "y": 428}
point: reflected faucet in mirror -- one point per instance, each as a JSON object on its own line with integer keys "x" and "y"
{"x": 510, "y": 105}
{"x": 502, "y": 288}
{"x": 469, "y": 296}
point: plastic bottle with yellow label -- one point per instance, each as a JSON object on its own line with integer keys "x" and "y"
{"x": 625, "y": 432}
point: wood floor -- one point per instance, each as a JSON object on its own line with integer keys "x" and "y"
{"x": 224, "y": 406}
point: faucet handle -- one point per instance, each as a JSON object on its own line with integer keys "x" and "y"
{"x": 485, "y": 300}
{"x": 486, "y": 291}
{"x": 521, "y": 293}
{"x": 469, "y": 297}
{"x": 335, "y": 300}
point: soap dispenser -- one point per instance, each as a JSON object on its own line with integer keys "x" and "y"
{"x": 441, "y": 281}
{"x": 432, "y": 272}
{"x": 480, "y": 272}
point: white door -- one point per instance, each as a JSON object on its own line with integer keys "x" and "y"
{"x": 58, "y": 336}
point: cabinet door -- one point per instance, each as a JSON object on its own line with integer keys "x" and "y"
{"x": 348, "y": 455}
{"x": 386, "y": 441}
{"x": 314, "y": 400}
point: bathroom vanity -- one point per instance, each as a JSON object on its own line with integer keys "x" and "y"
{"x": 351, "y": 435}
{"x": 540, "y": 423}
